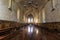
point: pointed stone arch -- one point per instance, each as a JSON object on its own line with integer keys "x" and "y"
{"x": 31, "y": 11}
{"x": 30, "y": 15}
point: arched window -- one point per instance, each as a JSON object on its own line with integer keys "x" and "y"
{"x": 30, "y": 18}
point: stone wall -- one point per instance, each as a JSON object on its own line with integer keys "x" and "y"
{"x": 52, "y": 16}
{"x": 5, "y": 13}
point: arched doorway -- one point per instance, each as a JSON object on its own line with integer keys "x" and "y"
{"x": 30, "y": 18}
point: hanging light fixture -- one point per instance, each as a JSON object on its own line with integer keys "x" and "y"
{"x": 30, "y": 2}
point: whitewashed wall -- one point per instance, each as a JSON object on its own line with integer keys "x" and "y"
{"x": 5, "y": 13}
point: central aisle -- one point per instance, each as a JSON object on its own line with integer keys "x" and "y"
{"x": 31, "y": 32}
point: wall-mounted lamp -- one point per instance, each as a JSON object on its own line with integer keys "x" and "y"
{"x": 53, "y": 5}
{"x": 10, "y": 5}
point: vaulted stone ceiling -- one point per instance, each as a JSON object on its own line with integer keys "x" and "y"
{"x": 31, "y": 3}
{"x": 32, "y": 7}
